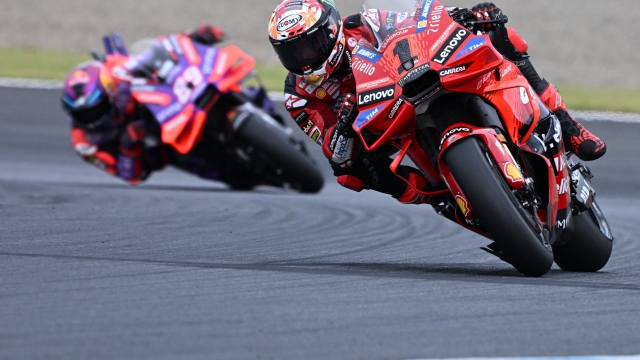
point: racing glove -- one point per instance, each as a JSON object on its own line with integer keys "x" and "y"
{"x": 342, "y": 146}
{"x": 207, "y": 35}
{"x": 129, "y": 163}
{"x": 486, "y": 11}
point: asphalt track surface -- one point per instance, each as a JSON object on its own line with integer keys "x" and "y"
{"x": 182, "y": 268}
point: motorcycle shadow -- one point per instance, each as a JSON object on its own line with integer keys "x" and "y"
{"x": 262, "y": 190}
{"x": 462, "y": 272}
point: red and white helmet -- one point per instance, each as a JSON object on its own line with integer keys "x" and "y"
{"x": 308, "y": 37}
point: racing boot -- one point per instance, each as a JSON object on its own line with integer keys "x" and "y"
{"x": 410, "y": 196}
{"x": 388, "y": 183}
{"x": 577, "y": 138}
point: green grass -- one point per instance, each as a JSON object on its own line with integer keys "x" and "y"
{"x": 45, "y": 64}
{"x": 38, "y": 64}
{"x": 272, "y": 76}
{"x": 581, "y": 98}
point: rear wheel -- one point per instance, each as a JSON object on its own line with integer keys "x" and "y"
{"x": 513, "y": 228}
{"x": 287, "y": 161}
{"x": 589, "y": 249}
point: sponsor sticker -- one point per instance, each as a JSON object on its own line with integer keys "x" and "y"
{"x": 454, "y": 70}
{"x": 472, "y": 45}
{"x": 513, "y": 173}
{"x": 434, "y": 20}
{"x": 423, "y": 17}
{"x": 450, "y": 46}
{"x": 563, "y": 187}
{"x": 366, "y": 116}
{"x": 376, "y": 95}
{"x": 442, "y": 37}
{"x": 374, "y": 83}
{"x": 524, "y": 97}
{"x": 369, "y": 55}
{"x": 426, "y": 9}
{"x": 414, "y": 74}
{"x": 483, "y": 81}
{"x": 393, "y": 36}
{"x": 301, "y": 117}
{"x": 308, "y": 126}
{"x": 395, "y": 108}
{"x": 333, "y": 88}
{"x": 289, "y": 21}
{"x": 364, "y": 67}
{"x": 315, "y": 136}
{"x": 453, "y": 132}
{"x": 336, "y": 57}
{"x": 463, "y": 205}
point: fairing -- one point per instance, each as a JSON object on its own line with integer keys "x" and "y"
{"x": 184, "y": 70}
{"x": 429, "y": 55}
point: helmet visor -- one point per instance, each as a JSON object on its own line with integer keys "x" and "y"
{"x": 311, "y": 50}
{"x": 92, "y": 117}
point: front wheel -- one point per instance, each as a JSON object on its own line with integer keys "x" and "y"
{"x": 589, "y": 249}
{"x": 511, "y": 226}
{"x": 287, "y": 161}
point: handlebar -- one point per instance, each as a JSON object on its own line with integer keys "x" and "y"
{"x": 474, "y": 24}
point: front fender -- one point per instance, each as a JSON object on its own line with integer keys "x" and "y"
{"x": 498, "y": 150}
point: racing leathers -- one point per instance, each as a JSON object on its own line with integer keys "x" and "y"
{"x": 314, "y": 109}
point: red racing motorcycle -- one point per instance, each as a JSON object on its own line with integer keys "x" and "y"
{"x": 490, "y": 149}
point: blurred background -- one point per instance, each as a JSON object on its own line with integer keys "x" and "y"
{"x": 587, "y": 47}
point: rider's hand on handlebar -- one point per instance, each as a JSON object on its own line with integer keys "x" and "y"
{"x": 486, "y": 11}
{"x": 346, "y": 111}
{"x": 342, "y": 146}
{"x": 207, "y": 34}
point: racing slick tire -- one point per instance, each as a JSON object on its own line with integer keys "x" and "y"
{"x": 590, "y": 246}
{"x": 291, "y": 161}
{"x": 510, "y": 225}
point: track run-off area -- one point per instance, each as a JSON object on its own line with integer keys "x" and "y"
{"x": 177, "y": 267}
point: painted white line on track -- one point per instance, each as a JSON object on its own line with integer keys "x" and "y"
{"x": 278, "y": 97}
{"x": 631, "y": 357}
{"x": 30, "y": 83}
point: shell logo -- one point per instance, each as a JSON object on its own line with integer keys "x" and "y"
{"x": 513, "y": 173}
{"x": 321, "y": 93}
{"x": 462, "y": 203}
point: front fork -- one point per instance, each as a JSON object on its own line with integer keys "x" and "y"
{"x": 550, "y": 154}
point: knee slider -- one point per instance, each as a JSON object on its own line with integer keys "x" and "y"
{"x": 517, "y": 41}
{"x": 351, "y": 182}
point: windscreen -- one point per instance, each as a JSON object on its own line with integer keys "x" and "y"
{"x": 156, "y": 61}
{"x": 388, "y": 16}
{"x": 392, "y": 5}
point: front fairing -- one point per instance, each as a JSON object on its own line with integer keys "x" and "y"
{"x": 181, "y": 83}
{"x": 428, "y": 53}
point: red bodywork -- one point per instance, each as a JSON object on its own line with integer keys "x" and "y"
{"x": 471, "y": 66}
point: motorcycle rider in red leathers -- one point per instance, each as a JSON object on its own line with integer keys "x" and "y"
{"x": 315, "y": 45}
{"x": 110, "y": 131}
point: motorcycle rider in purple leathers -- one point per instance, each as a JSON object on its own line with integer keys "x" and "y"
{"x": 112, "y": 132}
{"x": 314, "y": 43}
